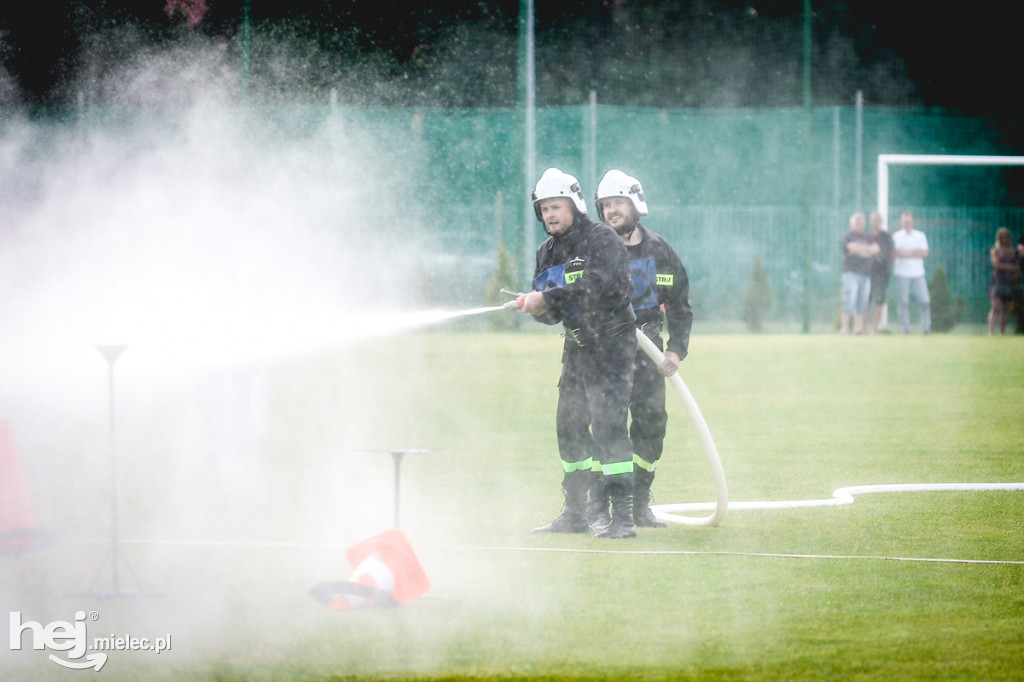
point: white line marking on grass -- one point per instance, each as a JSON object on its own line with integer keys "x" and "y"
{"x": 765, "y": 555}
{"x": 567, "y": 550}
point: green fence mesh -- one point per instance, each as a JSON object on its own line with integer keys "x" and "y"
{"x": 724, "y": 186}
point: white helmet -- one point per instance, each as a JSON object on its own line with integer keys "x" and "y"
{"x": 615, "y": 183}
{"x": 554, "y": 184}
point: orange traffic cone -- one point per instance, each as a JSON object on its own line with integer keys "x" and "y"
{"x": 18, "y": 530}
{"x": 387, "y": 573}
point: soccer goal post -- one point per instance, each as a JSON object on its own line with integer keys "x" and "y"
{"x": 886, "y": 160}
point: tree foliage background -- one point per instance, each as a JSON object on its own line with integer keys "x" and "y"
{"x": 661, "y": 53}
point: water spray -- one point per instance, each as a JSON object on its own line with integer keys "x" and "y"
{"x": 442, "y": 315}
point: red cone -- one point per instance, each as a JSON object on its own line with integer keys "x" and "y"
{"x": 387, "y": 573}
{"x": 18, "y": 530}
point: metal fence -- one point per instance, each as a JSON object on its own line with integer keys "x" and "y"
{"x": 718, "y": 246}
{"x": 724, "y": 186}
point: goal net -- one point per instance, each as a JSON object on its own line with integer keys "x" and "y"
{"x": 886, "y": 160}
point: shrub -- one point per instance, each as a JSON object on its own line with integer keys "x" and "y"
{"x": 946, "y": 308}
{"x": 758, "y": 302}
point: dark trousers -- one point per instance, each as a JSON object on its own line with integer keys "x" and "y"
{"x": 647, "y": 407}
{"x": 593, "y": 402}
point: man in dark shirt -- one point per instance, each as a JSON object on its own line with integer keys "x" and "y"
{"x": 881, "y": 270}
{"x": 859, "y": 251}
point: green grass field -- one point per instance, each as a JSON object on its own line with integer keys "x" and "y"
{"x": 919, "y": 586}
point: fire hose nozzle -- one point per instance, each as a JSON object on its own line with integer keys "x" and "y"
{"x": 516, "y": 304}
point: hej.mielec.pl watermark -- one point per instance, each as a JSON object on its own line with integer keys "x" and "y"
{"x": 73, "y": 638}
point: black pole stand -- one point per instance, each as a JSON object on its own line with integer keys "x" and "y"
{"x": 111, "y": 353}
{"x": 397, "y": 455}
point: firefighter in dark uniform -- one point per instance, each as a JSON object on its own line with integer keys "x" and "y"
{"x": 660, "y": 299}
{"x": 582, "y": 281}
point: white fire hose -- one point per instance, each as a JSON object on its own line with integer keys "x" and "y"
{"x": 714, "y": 461}
{"x": 710, "y": 451}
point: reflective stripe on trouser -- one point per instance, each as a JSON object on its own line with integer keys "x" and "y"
{"x": 587, "y": 464}
{"x": 641, "y": 464}
{"x": 617, "y": 468}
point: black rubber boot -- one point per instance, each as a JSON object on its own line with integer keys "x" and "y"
{"x": 573, "y": 518}
{"x": 620, "y": 490}
{"x": 598, "y": 517}
{"x": 642, "y": 514}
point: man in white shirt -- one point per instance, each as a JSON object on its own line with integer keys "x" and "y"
{"x": 910, "y": 248}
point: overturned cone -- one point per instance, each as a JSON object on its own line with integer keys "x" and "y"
{"x": 386, "y": 574}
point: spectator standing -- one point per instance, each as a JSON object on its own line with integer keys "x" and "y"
{"x": 859, "y": 252}
{"x": 881, "y": 270}
{"x": 1020, "y": 297}
{"x": 910, "y": 248}
{"x": 1002, "y": 287}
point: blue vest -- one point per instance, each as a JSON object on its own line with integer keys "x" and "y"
{"x": 644, "y": 276}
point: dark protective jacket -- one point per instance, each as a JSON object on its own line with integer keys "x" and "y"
{"x": 584, "y": 274}
{"x": 659, "y": 279}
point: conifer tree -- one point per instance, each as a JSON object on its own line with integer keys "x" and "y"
{"x": 758, "y": 302}
{"x": 947, "y": 309}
